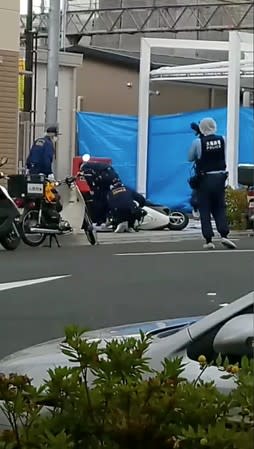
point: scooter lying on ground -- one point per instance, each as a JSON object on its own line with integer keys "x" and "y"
{"x": 154, "y": 217}
{"x": 41, "y": 216}
{"x": 246, "y": 178}
{"x": 9, "y": 217}
{"x": 161, "y": 217}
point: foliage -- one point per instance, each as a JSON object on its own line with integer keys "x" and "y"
{"x": 109, "y": 398}
{"x": 237, "y": 205}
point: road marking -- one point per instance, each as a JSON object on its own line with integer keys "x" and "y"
{"x": 18, "y": 284}
{"x": 211, "y": 294}
{"x": 224, "y": 304}
{"x": 171, "y": 253}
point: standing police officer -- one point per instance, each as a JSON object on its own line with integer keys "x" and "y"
{"x": 208, "y": 153}
{"x": 42, "y": 152}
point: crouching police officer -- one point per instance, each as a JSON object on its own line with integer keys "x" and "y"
{"x": 122, "y": 208}
{"x": 208, "y": 153}
{"x": 41, "y": 155}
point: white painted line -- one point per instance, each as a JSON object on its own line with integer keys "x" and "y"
{"x": 171, "y": 253}
{"x": 18, "y": 284}
{"x": 224, "y": 304}
{"x": 211, "y": 294}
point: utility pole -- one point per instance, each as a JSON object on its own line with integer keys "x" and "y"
{"x": 51, "y": 118}
{"x": 64, "y": 23}
{"x": 53, "y": 63}
{"x": 29, "y": 58}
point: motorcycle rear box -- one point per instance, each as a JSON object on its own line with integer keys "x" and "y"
{"x": 21, "y": 186}
{"x": 17, "y": 186}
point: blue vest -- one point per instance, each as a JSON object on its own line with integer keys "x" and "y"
{"x": 212, "y": 154}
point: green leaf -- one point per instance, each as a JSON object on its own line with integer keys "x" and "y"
{"x": 245, "y": 364}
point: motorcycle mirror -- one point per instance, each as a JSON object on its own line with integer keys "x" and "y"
{"x": 86, "y": 157}
{"x": 3, "y": 161}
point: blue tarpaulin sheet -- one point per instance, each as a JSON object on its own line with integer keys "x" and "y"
{"x": 112, "y": 136}
{"x": 115, "y": 136}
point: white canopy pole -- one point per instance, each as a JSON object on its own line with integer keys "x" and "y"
{"x": 233, "y": 107}
{"x": 143, "y": 115}
{"x": 239, "y": 42}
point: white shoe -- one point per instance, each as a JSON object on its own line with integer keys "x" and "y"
{"x": 228, "y": 243}
{"x": 196, "y": 214}
{"x": 210, "y": 245}
{"x": 101, "y": 228}
{"x": 122, "y": 227}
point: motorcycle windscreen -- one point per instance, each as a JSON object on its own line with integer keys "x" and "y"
{"x": 73, "y": 206}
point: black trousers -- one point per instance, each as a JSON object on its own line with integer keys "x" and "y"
{"x": 211, "y": 199}
{"x": 130, "y": 215}
{"x": 194, "y": 200}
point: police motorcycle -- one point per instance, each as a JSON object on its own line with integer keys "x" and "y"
{"x": 44, "y": 216}
{"x": 152, "y": 216}
{"x": 9, "y": 216}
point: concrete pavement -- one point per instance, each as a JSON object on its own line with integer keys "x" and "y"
{"x": 193, "y": 231}
{"x": 108, "y": 285}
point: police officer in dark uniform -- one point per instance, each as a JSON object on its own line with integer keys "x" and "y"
{"x": 99, "y": 176}
{"x": 208, "y": 153}
{"x": 42, "y": 152}
{"x": 122, "y": 207}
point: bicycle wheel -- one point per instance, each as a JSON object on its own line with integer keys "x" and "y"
{"x": 91, "y": 234}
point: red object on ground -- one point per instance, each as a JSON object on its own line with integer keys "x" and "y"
{"x": 76, "y": 163}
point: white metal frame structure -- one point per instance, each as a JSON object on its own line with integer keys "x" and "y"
{"x": 237, "y": 44}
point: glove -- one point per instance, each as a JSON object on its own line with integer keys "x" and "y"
{"x": 51, "y": 177}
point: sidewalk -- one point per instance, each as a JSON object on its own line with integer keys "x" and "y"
{"x": 193, "y": 231}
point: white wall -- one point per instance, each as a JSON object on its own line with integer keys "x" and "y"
{"x": 9, "y": 25}
{"x": 66, "y": 113}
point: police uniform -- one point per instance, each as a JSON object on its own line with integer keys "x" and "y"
{"x": 41, "y": 156}
{"x": 99, "y": 176}
{"x": 121, "y": 205}
{"x": 208, "y": 152}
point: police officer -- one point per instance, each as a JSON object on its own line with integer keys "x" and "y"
{"x": 208, "y": 153}
{"x": 41, "y": 154}
{"x": 99, "y": 177}
{"x": 122, "y": 207}
{"x": 194, "y": 194}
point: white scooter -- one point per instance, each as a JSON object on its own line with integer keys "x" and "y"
{"x": 155, "y": 218}
{"x": 159, "y": 217}
{"x": 9, "y": 216}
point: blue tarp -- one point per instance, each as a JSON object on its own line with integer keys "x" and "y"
{"x": 170, "y": 137}
{"x": 112, "y": 136}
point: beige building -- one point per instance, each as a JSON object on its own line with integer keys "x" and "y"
{"x": 9, "y": 58}
{"x": 108, "y": 82}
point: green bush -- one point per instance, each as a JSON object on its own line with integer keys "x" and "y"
{"x": 236, "y": 200}
{"x": 127, "y": 406}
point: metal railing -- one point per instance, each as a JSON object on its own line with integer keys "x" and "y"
{"x": 213, "y": 16}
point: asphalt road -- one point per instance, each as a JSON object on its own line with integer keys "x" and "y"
{"x": 109, "y": 285}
